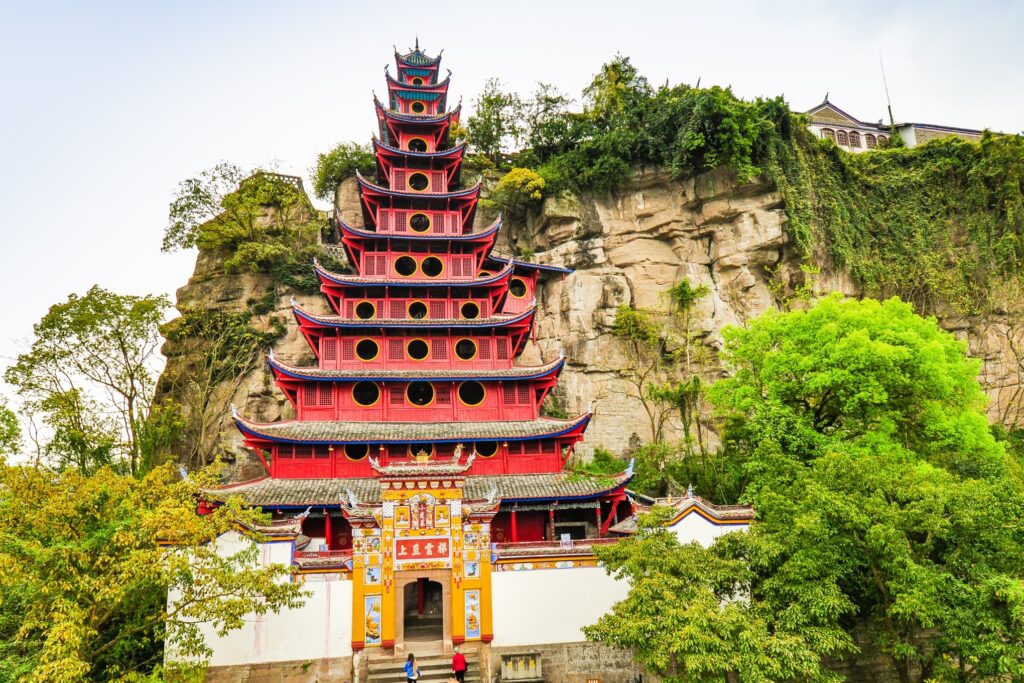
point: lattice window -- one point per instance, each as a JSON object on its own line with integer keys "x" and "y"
{"x": 438, "y": 309}
{"x": 396, "y": 349}
{"x": 503, "y": 349}
{"x": 437, "y": 181}
{"x": 523, "y": 394}
{"x": 509, "y": 394}
{"x": 303, "y": 451}
{"x": 439, "y": 348}
{"x": 854, "y": 139}
{"x": 326, "y": 391}
{"x": 442, "y": 395}
{"x": 883, "y": 140}
{"x": 397, "y": 396}
{"x": 399, "y": 179}
{"x": 484, "y": 349}
{"x": 870, "y": 141}
{"x": 329, "y": 348}
{"x": 842, "y": 139}
{"x": 828, "y": 134}
{"x": 397, "y": 309}
{"x": 348, "y": 349}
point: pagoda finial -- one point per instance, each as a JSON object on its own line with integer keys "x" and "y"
{"x": 417, "y": 43}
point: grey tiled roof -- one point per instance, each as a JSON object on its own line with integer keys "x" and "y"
{"x": 479, "y": 373}
{"x": 331, "y": 432}
{"x": 269, "y": 492}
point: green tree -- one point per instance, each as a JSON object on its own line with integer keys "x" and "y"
{"x": 197, "y": 201}
{"x": 10, "y": 431}
{"x": 85, "y": 574}
{"x": 517, "y": 189}
{"x": 100, "y": 347}
{"x": 494, "y": 124}
{"x": 341, "y": 162}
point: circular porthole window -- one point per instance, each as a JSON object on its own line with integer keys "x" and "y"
{"x": 417, "y": 81}
{"x": 465, "y": 349}
{"x": 405, "y": 266}
{"x": 417, "y": 145}
{"x": 432, "y": 266}
{"x": 419, "y": 181}
{"x": 365, "y": 393}
{"x": 470, "y": 310}
{"x": 418, "y": 107}
{"x": 517, "y": 288}
{"x": 358, "y": 451}
{"x": 419, "y": 222}
{"x": 472, "y": 393}
{"x": 420, "y": 393}
{"x": 486, "y": 449}
{"x": 417, "y": 310}
{"x": 365, "y": 310}
{"x": 417, "y": 349}
{"x": 367, "y": 349}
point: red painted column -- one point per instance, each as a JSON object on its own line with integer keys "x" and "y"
{"x": 327, "y": 527}
{"x": 551, "y": 524}
{"x": 598, "y": 511}
{"x": 515, "y": 529}
{"x": 421, "y": 596}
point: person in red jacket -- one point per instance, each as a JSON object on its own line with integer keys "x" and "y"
{"x": 459, "y": 666}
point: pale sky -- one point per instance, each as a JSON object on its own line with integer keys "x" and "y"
{"x": 106, "y": 106}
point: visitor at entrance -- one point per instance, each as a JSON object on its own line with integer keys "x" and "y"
{"x": 459, "y": 666}
{"x": 412, "y": 671}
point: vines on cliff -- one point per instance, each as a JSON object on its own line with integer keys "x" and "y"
{"x": 943, "y": 222}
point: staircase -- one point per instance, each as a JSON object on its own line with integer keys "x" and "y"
{"x": 433, "y": 669}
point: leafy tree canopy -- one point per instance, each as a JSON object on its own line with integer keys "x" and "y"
{"x": 341, "y": 162}
{"x": 84, "y": 579}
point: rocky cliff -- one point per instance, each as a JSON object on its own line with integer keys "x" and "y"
{"x": 627, "y": 248}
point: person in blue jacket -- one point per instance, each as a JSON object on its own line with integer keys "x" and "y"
{"x": 412, "y": 672}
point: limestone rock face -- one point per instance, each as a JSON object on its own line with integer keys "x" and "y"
{"x": 628, "y": 248}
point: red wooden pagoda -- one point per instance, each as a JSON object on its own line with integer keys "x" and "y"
{"x": 416, "y": 380}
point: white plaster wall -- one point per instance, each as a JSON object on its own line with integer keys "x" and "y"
{"x": 320, "y": 629}
{"x": 693, "y": 527}
{"x": 536, "y": 607}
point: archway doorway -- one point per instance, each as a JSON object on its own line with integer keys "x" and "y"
{"x": 423, "y": 618}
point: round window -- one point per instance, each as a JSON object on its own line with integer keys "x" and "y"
{"x": 417, "y": 349}
{"x": 432, "y": 266}
{"x": 420, "y": 393}
{"x": 486, "y": 449}
{"x": 367, "y": 349}
{"x": 365, "y": 393}
{"x": 417, "y": 81}
{"x": 470, "y": 310}
{"x": 358, "y": 451}
{"x": 418, "y": 107}
{"x": 417, "y": 145}
{"x": 472, "y": 393}
{"x": 517, "y": 288}
{"x": 465, "y": 349}
{"x": 365, "y": 310}
{"x": 405, "y": 266}
{"x": 419, "y": 222}
{"x": 484, "y": 273}
{"x": 417, "y": 310}
{"x": 419, "y": 181}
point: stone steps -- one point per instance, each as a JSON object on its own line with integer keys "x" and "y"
{"x": 433, "y": 669}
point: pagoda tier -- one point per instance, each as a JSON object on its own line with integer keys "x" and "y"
{"x": 341, "y": 342}
{"x": 343, "y": 448}
{"x": 417, "y": 99}
{"x": 400, "y": 130}
{"x": 402, "y": 258}
{"x": 416, "y": 65}
{"x": 377, "y": 202}
{"x": 392, "y": 163}
{"x": 358, "y": 297}
{"x": 440, "y": 227}
{"x": 417, "y": 394}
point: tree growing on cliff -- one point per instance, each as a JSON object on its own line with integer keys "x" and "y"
{"x": 85, "y": 573}
{"x": 494, "y": 124}
{"x": 90, "y": 372}
{"x": 340, "y": 163}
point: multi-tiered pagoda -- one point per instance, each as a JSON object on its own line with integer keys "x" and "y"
{"x": 419, "y": 452}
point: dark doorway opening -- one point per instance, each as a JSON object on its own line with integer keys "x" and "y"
{"x": 424, "y": 611}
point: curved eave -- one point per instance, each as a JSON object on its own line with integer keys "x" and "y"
{"x": 532, "y": 266}
{"x": 387, "y": 113}
{"x": 356, "y": 281}
{"x": 443, "y": 154}
{"x": 429, "y": 61}
{"x": 425, "y": 87}
{"x": 560, "y": 428}
{"x": 306, "y": 319}
{"x": 622, "y": 480}
{"x": 539, "y": 372}
{"x": 467, "y": 237}
{"x": 387, "y": 192}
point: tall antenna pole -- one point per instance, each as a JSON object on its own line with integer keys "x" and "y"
{"x": 892, "y": 121}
